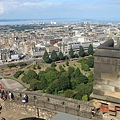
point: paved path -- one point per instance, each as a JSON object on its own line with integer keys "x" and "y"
{"x": 11, "y": 84}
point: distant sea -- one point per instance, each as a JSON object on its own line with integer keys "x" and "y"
{"x": 58, "y": 20}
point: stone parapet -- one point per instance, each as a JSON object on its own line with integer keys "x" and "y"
{"x": 46, "y": 105}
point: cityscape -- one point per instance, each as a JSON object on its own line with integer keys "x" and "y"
{"x": 30, "y": 41}
{"x": 59, "y": 60}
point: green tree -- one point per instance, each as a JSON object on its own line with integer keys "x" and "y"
{"x": 82, "y": 79}
{"x": 77, "y": 73}
{"x": 43, "y": 83}
{"x": 90, "y": 77}
{"x": 83, "y": 61}
{"x": 51, "y": 88}
{"x": 29, "y": 77}
{"x": 54, "y": 56}
{"x": 71, "y": 70}
{"x": 71, "y": 53}
{"x": 32, "y": 74}
{"x": 35, "y": 85}
{"x": 38, "y": 66}
{"x": 90, "y": 62}
{"x": 41, "y": 75}
{"x": 11, "y": 65}
{"x": 22, "y": 64}
{"x": 46, "y": 57}
{"x": 85, "y": 98}
{"x": 51, "y": 74}
{"x": 80, "y": 91}
{"x": 81, "y": 51}
{"x": 61, "y": 68}
{"x": 63, "y": 82}
{"x": 61, "y": 57}
{"x": 76, "y": 55}
{"x": 18, "y": 73}
{"x": 69, "y": 93}
{"x": 73, "y": 83}
{"x": 85, "y": 67}
{"x": 67, "y": 63}
{"x": 53, "y": 64}
{"x": 90, "y": 50}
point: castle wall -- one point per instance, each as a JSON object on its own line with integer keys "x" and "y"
{"x": 45, "y": 106}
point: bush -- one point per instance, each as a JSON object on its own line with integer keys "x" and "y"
{"x": 69, "y": 93}
{"x": 11, "y": 65}
{"x": 35, "y": 85}
{"x": 53, "y": 64}
{"x": 22, "y": 64}
{"x": 67, "y": 63}
{"x": 18, "y": 73}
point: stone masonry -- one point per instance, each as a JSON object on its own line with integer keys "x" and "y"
{"x": 106, "y": 88}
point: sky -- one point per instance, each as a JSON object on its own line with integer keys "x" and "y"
{"x": 69, "y": 9}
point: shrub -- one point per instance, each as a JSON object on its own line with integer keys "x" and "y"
{"x": 18, "y": 73}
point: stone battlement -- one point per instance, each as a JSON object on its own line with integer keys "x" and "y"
{"x": 46, "y": 106}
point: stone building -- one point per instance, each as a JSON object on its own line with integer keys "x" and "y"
{"x": 106, "y": 88}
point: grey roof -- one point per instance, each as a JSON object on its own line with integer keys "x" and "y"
{"x": 65, "y": 116}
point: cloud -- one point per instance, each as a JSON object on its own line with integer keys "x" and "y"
{"x": 2, "y": 8}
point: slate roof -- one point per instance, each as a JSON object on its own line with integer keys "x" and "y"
{"x": 65, "y": 116}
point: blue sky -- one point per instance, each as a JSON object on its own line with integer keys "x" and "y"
{"x": 74, "y": 9}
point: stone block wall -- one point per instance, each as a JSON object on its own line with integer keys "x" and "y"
{"x": 45, "y": 105}
{"x": 106, "y": 86}
{"x": 107, "y": 74}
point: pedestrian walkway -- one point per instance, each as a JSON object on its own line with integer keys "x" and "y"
{"x": 11, "y": 84}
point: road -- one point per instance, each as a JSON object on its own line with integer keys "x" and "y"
{"x": 31, "y": 60}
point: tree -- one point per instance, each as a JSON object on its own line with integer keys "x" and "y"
{"x": 61, "y": 68}
{"x": 61, "y": 57}
{"x": 41, "y": 75}
{"x": 54, "y": 56}
{"x": 53, "y": 64}
{"x": 69, "y": 93}
{"x": 63, "y": 82}
{"x": 77, "y": 73}
{"x": 67, "y": 63}
{"x": 90, "y": 62}
{"x": 38, "y": 66}
{"x": 35, "y": 85}
{"x": 43, "y": 84}
{"x": 81, "y": 51}
{"x": 85, "y": 98}
{"x": 51, "y": 74}
{"x": 90, "y": 77}
{"x": 50, "y": 89}
{"x": 11, "y": 65}
{"x": 85, "y": 67}
{"x": 46, "y": 57}
{"x": 71, "y": 70}
{"x": 22, "y": 64}
{"x": 90, "y": 50}
{"x": 82, "y": 79}
{"x": 18, "y": 73}
{"x": 32, "y": 74}
{"x": 71, "y": 53}
{"x": 76, "y": 55}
